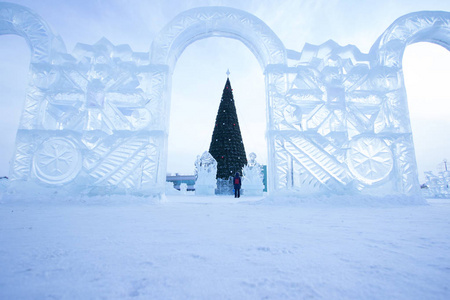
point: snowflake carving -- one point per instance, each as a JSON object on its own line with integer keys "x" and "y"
{"x": 56, "y": 161}
{"x": 370, "y": 159}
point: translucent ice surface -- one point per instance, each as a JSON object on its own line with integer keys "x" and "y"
{"x": 205, "y": 171}
{"x": 96, "y": 120}
{"x": 252, "y": 182}
{"x": 437, "y": 186}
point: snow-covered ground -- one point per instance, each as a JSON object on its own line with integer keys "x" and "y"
{"x": 220, "y": 248}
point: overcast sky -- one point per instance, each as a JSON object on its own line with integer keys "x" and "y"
{"x": 199, "y": 76}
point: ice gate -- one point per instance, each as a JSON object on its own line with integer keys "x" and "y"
{"x": 95, "y": 121}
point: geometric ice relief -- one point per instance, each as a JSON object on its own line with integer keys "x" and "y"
{"x": 370, "y": 159}
{"x": 343, "y": 125}
{"x": 96, "y": 121}
{"x": 84, "y": 121}
{"x": 57, "y": 161}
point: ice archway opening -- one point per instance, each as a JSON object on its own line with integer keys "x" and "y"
{"x": 14, "y": 61}
{"x": 19, "y": 21}
{"x": 201, "y": 23}
{"x": 426, "y": 82}
{"x": 207, "y": 61}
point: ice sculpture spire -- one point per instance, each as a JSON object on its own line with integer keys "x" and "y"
{"x": 227, "y": 146}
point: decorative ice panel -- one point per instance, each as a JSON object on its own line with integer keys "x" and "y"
{"x": 93, "y": 121}
{"x": 338, "y": 126}
{"x": 339, "y": 120}
{"x": 96, "y": 121}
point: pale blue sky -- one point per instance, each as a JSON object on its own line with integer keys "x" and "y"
{"x": 199, "y": 75}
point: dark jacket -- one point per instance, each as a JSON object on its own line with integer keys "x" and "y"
{"x": 237, "y": 181}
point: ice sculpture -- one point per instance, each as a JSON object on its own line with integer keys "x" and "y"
{"x": 183, "y": 188}
{"x": 437, "y": 186}
{"x": 92, "y": 122}
{"x": 225, "y": 186}
{"x": 252, "y": 183}
{"x": 170, "y": 189}
{"x": 95, "y": 121}
{"x": 206, "y": 171}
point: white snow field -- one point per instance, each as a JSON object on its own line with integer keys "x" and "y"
{"x": 220, "y": 248}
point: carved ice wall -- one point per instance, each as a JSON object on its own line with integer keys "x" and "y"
{"x": 337, "y": 119}
{"x": 93, "y": 121}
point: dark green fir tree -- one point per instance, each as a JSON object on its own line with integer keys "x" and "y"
{"x": 227, "y": 146}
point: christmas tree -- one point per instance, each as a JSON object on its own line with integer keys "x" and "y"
{"x": 227, "y": 146}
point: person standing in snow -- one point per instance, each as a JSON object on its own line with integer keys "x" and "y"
{"x": 237, "y": 185}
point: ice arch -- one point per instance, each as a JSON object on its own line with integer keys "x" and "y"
{"x": 387, "y": 54}
{"x": 203, "y": 22}
{"x": 424, "y": 26}
{"x": 43, "y": 44}
{"x": 19, "y": 20}
{"x": 95, "y": 121}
